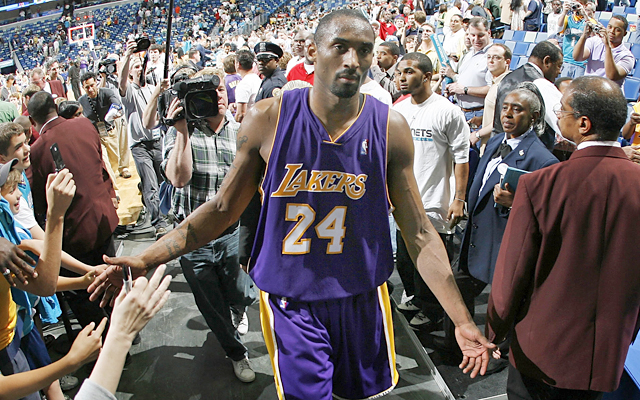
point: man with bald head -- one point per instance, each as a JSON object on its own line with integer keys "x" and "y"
{"x": 322, "y": 273}
{"x": 565, "y": 284}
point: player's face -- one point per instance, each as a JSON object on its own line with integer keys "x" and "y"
{"x": 410, "y": 78}
{"x": 91, "y": 87}
{"x": 18, "y": 148}
{"x": 343, "y": 57}
{"x": 516, "y": 115}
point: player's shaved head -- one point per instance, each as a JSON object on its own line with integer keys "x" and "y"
{"x": 328, "y": 23}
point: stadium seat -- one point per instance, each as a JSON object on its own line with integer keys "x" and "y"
{"x": 631, "y": 88}
{"x": 630, "y": 10}
{"x": 498, "y": 41}
{"x": 618, "y": 10}
{"x": 508, "y": 35}
{"x": 520, "y": 49}
{"x": 530, "y": 37}
{"x": 510, "y": 44}
{"x": 514, "y": 62}
{"x": 523, "y": 61}
{"x": 530, "y": 49}
{"x": 605, "y": 16}
{"x": 518, "y": 36}
{"x": 541, "y": 36}
{"x": 635, "y": 50}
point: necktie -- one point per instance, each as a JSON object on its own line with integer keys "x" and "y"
{"x": 502, "y": 151}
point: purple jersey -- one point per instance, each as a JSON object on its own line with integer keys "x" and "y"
{"x": 231, "y": 81}
{"x": 323, "y": 231}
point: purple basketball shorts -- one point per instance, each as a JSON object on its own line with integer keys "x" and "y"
{"x": 342, "y": 347}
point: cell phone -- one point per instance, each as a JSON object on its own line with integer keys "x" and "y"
{"x": 57, "y": 158}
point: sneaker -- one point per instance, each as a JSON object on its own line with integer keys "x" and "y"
{"x": 405, "y": 298}
{"x": 240, "y": 321}
{"x": 125, "y": 174}
{"x": 408, "y": 306}
{"x": 160, "y": 232}
{"x": 69, "y": 382}
{"x": 419, "y": 321}
{"x": 243, "y": 370}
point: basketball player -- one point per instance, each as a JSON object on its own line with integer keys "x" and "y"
{"x": 334, "y": 162}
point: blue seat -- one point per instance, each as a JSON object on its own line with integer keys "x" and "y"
{"x": 515, "y": 60}
{"x": 630, "y": 10}
{"x": 521, "y": 48}
{"x": 635, "y": 50}
{"x": 518, "y": 36}
{"x": 523, "y": 61}
{"x": 618, "y": 10}
{"x": 631, "y": 88}
{"x": 498, "y": 41}
{"x": 508, "y": 35}
{"x": 510, "y": 44}
{"x": 530, "y": 49}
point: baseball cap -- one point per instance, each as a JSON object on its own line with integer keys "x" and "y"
{"x": 5, "y": 169}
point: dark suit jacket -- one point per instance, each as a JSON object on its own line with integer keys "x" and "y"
{"x": 567, "y": 274}
{"x": 486, "y": 224}
{"x": 91, "y": 218}
{"x": 526, "y": 73}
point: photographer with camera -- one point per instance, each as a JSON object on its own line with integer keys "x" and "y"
{"x": 145, "y": 144}
{"x": 571, "y": 22}
{"x": 107, "y": 68}
{"x": 199, "y": 150}
{"x": 103, "y": 107}
{"x": 602, "y": 49}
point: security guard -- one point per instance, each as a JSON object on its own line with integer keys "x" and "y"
{"x": 268, "y": 54}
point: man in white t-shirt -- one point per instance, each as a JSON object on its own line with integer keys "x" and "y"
{"x": 441, "y": 164}
{"x": 249, "y": 86}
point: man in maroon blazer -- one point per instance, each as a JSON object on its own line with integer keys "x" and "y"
{"x": 91, "y": 219}
{"x": 566, "y": 279}
{"x": 53, "y": 87}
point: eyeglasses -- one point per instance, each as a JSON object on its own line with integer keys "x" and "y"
{"x": 559, "y": 111}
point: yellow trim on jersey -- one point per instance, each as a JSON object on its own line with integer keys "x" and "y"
{"x": 268, "y": 331}
{"x": 387, "y": 319}
{"x": 275, "y": 133}
{"x": 333, "y": 141}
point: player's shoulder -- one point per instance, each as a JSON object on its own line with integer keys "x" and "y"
{"x": 263, "y": 113}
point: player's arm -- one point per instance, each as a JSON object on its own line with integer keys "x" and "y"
{"x": 211, "y": 219}
{"x": 425, "y": 246}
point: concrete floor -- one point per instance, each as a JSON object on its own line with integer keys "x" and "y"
{"x": 179, "y": 358}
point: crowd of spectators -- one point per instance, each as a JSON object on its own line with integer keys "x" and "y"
{"x": 443, "y": 67}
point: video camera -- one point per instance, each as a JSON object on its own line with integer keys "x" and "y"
{"x": 142, "y": 43}
{"x": 198, "y": 98}
{"x": 107, "y": 66}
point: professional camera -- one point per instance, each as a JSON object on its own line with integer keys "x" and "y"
{"x": 107, "y": 66}
{"x": 198, "y": 98}
{"x": 142, "y": 43}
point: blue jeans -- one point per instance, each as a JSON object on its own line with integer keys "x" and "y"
{"x": 217, "y": 282}
{"x": 571, "y": 70}
{"x": 470, "y": 114}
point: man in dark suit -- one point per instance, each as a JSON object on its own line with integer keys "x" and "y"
{"x": 566, "y": 284}
{"x": 91, "y": 218}
{"x": 545, "y": 62}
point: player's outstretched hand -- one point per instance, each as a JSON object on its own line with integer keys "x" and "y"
{"x": 476, "y": 349}
{"x": 107, "y": 285}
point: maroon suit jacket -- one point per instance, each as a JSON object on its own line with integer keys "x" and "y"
{"x": 91, "y": 218}
{"x": 56, "y": 89}
{"x": 567, "y": 273}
